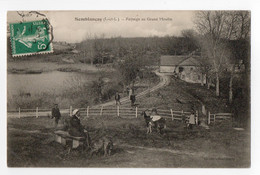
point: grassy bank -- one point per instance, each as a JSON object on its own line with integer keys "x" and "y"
{"x": 180, "y": 95}
{"x": 44, "y": 66}
{"x": 31, "y": 144}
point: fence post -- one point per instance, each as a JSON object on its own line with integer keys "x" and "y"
{"x": 87, "y": 110}
{"x": 118, "y": 111}
{"x": 70, "y": 110}
{"x": 209, "y": 118}
{"x": 197, "y": 117}
{"x": 203, "y": 109}
{"x": 136, "y": 112}
{"x": 101, "y": 111}
{"x": 19, "y": 112}
{"x": 37, "y": 115}
{"x": 214, "y": 118}
{"x": 172, "y": 114}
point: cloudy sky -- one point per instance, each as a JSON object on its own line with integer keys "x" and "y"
{"x": 75, "y": 26}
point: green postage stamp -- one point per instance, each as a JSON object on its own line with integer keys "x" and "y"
{"x": 28, "y": 38}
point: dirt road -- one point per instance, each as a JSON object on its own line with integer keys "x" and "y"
{"x": 164, "y": 81}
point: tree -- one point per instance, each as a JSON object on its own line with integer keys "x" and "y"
{"x": 131, "y": 65}
{"x": 216, "y": 29}
{"x": 96, "y": 88}
{"x": 204, "y": 68}
{"x": 129, "y": 69}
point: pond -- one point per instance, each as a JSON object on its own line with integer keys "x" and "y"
{"x": 54, "y": 81}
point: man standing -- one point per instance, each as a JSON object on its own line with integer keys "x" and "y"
{"x": 130, "y": 92}
{"x": 76, "y": 129}
{"x": 55, "y": 113}
{"x": 132, "y": 98}
{"x": 117, "y": 98}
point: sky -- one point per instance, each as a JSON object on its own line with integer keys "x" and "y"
{"x": 75, "y": 26}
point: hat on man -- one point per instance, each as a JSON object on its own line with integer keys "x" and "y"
{"x": 75, "y": 111}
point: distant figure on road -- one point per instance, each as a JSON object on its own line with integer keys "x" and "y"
{"x": 55, "y": 113}
{"x": 132, "y": 98}
{"x": 130, "y": 92}
{"x": 76, "y": 129}
{"x": 117, "y": 98}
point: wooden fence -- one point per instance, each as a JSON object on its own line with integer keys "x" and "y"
{"x": 37, "y": 112}
{"x": 116, "y": 111}
{"x": 217, "y": 117}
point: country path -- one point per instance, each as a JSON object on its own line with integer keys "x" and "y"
{"x": 164, "y": 81}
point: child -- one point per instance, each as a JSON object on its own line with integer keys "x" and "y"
{"x": 190, "y": 121}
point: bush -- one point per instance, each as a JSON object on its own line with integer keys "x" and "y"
{"x": 110, "y": 89}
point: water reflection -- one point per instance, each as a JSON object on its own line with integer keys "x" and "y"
{"x": 54, "y": 81}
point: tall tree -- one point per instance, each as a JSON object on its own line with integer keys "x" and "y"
{"x": 216, "y": 29}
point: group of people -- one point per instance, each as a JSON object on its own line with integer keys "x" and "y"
{"x": 73, "y": 125}
{"x": 131, "y": 97}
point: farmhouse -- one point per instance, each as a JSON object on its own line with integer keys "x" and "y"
{"x": 186, "y": 68}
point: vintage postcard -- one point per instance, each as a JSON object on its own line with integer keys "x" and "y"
{"x": 129, "y": 89}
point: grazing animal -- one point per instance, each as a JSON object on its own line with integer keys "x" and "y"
{"x": 103, "y": 145}
{"x": 158, "y": 124}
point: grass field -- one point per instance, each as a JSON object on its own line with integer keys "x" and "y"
{"x": 31, "y": 140}
{"x": 31, "y": 144}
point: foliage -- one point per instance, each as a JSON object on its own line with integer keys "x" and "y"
{"x": 129, "y": 69}
{"x": 216, "y": 29}
{"x": 106, "y": 50}
{"x": 224, "y": 40}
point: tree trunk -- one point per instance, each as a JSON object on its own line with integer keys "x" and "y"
{"x": 231, "y": 86}
{"x": 217, "y": 85}
{"x": 202, "y": 79}
{"x": 208, "y": 82}
{"x": 230, "y": 89}
{"x": 133, "y": 85}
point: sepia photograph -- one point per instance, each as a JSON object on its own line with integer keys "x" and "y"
{"x": 128, "y": 88}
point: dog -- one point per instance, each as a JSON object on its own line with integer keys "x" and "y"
{"x": 103, "y": 145}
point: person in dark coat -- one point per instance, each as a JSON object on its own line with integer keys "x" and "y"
{"x": 76, "y": 129}
{"x": 117, "y": 98}
{"x": 55, "y": 113}
{"x": 132, "y": 98}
